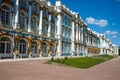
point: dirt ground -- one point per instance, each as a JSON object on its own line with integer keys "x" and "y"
{"x": 38, "y": 70}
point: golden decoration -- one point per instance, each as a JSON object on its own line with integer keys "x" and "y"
{"x": 29, "y": 41}
{"x": 59, "y": 13}
{"x": 16, "y": 40}
{"x": 16, "y": 52}
{"x": 50, "y": 52}
{"x": 41, "y": 52}
{"x": 1, "y": 33}
{"x": 30, "y": 52}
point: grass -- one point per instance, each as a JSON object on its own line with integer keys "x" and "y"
{"x": 83, "y": 62}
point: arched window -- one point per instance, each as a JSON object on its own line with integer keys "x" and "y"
{"x": 5, "y": 16}
{"x": 34, "y": 24}
{"x": 22, "y": 46}
{"x": 22, "y": 21}
{"x": 5, "y": 45}
{"x": 34, "y": 47}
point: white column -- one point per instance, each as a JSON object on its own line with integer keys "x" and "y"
{"x": 101, "y": 51}
{"x": 77, "y": 32}
{"x": 117, "y": 51}
{"x": 16, "y": 14}
{"x": 82, "y": 34}
{"x": 72, "y": 39}
{"x": 59, "y": 34}
{"x": 49, "y": 27}
{"x": 55, "y": 27}
{"x": 78, "y": 49}
{"x": 77, "y": 37}
{"x": 40, "y": 21}
{"x": 101, "y": 45}
{"x": 15, "y": 23}
{"x": 29, "y": 16}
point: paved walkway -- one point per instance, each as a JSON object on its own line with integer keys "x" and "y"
{"x": 37, "y": 70}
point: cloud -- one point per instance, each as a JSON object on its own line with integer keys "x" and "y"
{"x": 114, "y": 36}
{"x": 90, "y": 20}
{"x": 111, "y": 32}
{"x": 93, "y": 21}
{"x": 102, "y": 23}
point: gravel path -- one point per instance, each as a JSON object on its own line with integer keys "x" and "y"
{"x": 37, "y": 70}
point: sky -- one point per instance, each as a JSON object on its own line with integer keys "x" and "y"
{"x": 102, "y": 16}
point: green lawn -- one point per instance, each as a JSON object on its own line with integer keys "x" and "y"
{"x": 83, "y": 62}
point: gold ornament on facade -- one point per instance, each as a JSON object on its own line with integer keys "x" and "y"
{"x": 29, "y": 41}
{"x": 1, "y": 33}
{"x": 56, "y": 44}
{"x": 50, "y": 52}
{"x": 40, "y": 46}
{"x": 16, "y": 52}
{"x": 59, "y": 13}
{"x": 41, "y": 52}
{"x": 7, "y": 1}
{"x": 41, "y": 40}
{"x": 30, "y": 52}
{"x": 48, "y": 47}
{"x": 7, "y": 34}
{"x": 16, "y": 40}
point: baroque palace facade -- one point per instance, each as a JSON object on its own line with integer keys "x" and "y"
{"x": 38, "y": 28}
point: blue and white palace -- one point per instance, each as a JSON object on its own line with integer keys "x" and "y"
{"x": 36, "y": 28}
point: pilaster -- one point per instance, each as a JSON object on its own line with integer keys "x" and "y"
{"x": 72, "y": 39}
{"x": 29, "y": 16}
{"x": 40, "y": 48}
{"x": 59, "y": 33}
{"x": 29, "y": 46}
{"x": 40, "y": 20}
{"x": 16, "y": 14}
{"x": 15, "y": 45}
{"x": 77, "y": 32}
{"x": 77, "y": 49}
